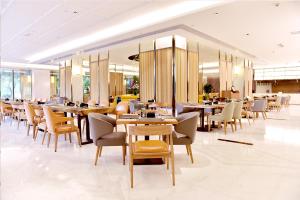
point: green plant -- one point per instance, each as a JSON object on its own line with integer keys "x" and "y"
{"x": 207, "y": 88}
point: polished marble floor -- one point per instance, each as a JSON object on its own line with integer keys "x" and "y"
{"x": 268, "y": 170}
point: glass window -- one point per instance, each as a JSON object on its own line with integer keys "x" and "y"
{"x": 22, "y": 84}
{"x": 6, "y": 84}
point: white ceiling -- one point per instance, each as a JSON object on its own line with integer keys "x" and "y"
{"x": 30, "y": 26}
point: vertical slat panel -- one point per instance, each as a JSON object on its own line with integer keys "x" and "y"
{"x": 147, "y": 75}
{"x": 68, "y": 82}
{"x": 229, "y": 71}
{"x": 223, "y": 71}
{"x": 193, "y": 76}
{"x": 181, "y": 75}
{"x": 94, "y": 71}
{"x": 62, "y": 80}
{"x": 103, "y": 82}
{"x": 164, "y": 76}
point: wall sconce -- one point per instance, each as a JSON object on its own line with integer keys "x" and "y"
{"x": 237, "y": 70}
{"x": 29, "y": 78}
{"x": 52, "y": 79}
{"x": 76, "y": 70}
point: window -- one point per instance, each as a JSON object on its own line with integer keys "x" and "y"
{"x": 15, "y": 84}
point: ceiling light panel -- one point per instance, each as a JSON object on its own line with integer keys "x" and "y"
{"x": 142, "y": 21}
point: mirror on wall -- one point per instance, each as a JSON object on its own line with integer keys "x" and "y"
{"x": 124, "y": 71}
{"x": 209, "y": 69}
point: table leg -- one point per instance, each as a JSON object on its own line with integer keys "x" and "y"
{"x": 87, "y": 129}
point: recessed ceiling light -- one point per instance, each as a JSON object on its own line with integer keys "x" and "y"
{"x": 27, "y": 34}
{"x": 295, "y": 32}
{"x": 247, "y": 34}
{"x": 75, "y": 12}
{"x": 138, "y": 22}
{"x": 280, "y": 45}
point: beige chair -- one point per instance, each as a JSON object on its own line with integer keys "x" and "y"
{"x": 185, "y": 131}
{"x": 57, "y": 125}
{"x": 225, "y": 116}
{"x": 102, "y": 132}
{"x": 259, "y": 106}
{"x": 32, "y": 119}
{"x": 6, "y": 110}
{"x": 19, "y": 113}
{"x": 275, "y": 104}
{"x": 237, "y": 113}
{"x": 151, "y": 148}
{"x": 122, "y": 108}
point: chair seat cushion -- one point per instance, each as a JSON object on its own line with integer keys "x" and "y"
{"x": 180, "y": 139}
{"x": 150, "y": 146}
{"x": 66, "y": 128}
{"x": 112, "y": 139}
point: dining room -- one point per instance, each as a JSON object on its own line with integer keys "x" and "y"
{"x": 162, "y": 110}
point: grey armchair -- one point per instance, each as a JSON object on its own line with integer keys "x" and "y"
{"x": 102, "y": 132}
{"x": 259, "y": 106}
{"x": 185, "y": 131}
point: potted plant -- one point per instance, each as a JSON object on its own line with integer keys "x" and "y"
{"x": 207, "y": 89}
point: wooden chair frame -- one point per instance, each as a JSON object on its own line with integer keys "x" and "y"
{"x": 153, "y": 130}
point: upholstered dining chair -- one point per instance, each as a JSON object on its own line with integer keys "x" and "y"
{"x": 225, "y": 116}
{"x": 102, "y": 132}
{"x": 185, "y": 131}
{"x": 151, "y": 148}
{"x": 276, "y": 104}
{"x": 6, "y": 110}
{"x": 32, "y": 119}
{"x": 19, "y": 113}
{"x": 259, "y": 106}
{"x": 121, "y": 108}
{"x": 58, "y": 125}
{"x": 237, "y": 113}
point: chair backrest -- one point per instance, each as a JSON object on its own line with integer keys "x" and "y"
{"x": 122, "y": 108}
{"x": 278, "y": 100}
{"x": 227, "y": 111}
{"x": 187, "y": 124}
{"x": 150, "y": 130}
{"x": 50, "y": 118}
{"x": 29, "y": 111}
{"x": 260, "y": 105}
{"x": 238, "y": 108}
{"x": 100, "y": 125}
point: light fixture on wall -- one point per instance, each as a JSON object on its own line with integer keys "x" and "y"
{"x": 133, "y": 24}
{"x": 52, "y": 79}
{"x": 76, "y": 70}
{"x": 237, "y": 70}
{"x": 29, "y": 78}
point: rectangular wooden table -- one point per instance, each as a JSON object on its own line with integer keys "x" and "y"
{"x": 82, "y": 113}
{"x": 202, "y": 108}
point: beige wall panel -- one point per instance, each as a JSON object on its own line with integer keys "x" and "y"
{"x": 103, "y": 82}
{"x": 164, "y": 76}
{"x": 223, "y": 75}
{"x": 147, "y": 75}
{"x": 94, "y": 73}
{"x": 181, "y": 75}
{"x": 229, "y": 71}
{"x": 68, "y": 82}
{"x": 193, "y": 77}
{"x": 116, "y": 83}
{"x": 62, "y": 82}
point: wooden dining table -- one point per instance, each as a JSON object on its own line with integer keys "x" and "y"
{"x": 202, "y": 108}
{"x": 82, "y": 113}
